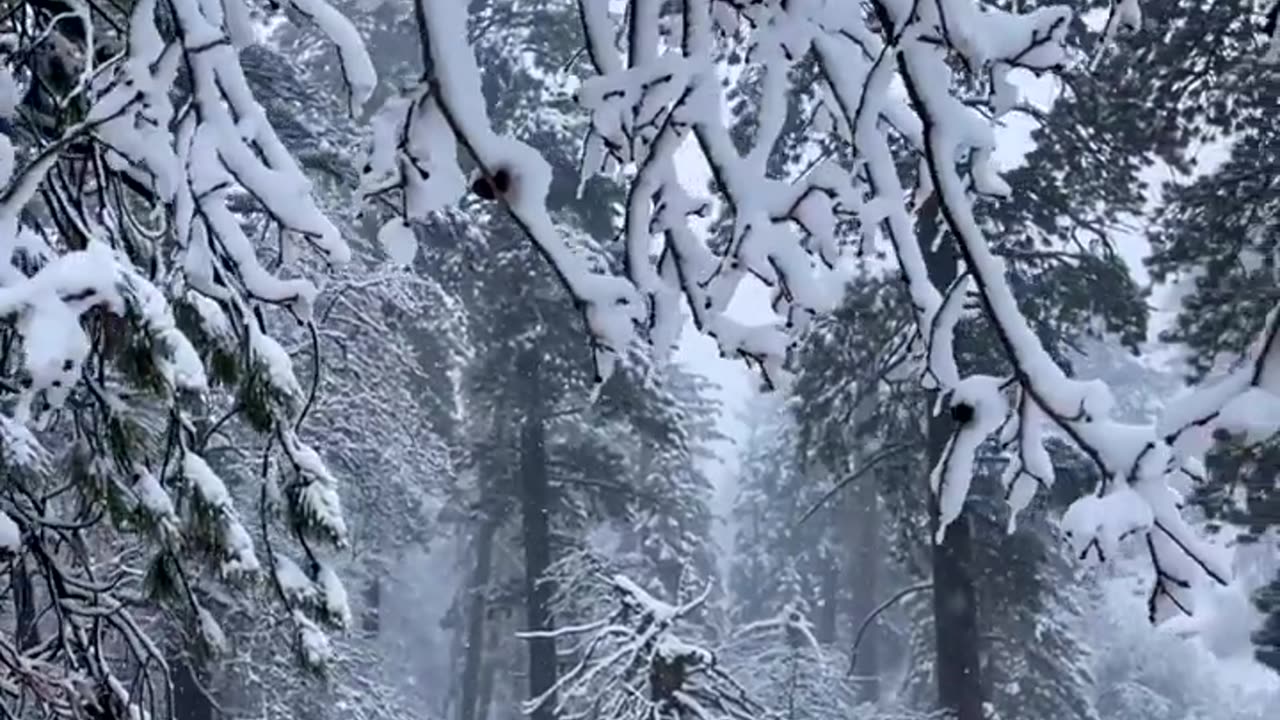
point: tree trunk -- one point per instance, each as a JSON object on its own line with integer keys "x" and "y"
{"x": 477, "y": 615}
{"x": 864, "y": 527}
{"x": 455, "y": 625}
{"x": 825, "y": 631}
{"x": 371, "y": 621}
{"x": 490, "y": 671}
{"x": 535, "y": 506}
{"x": 189, "y": 699}
{"x": 955, "y": 606}
{"x": 25, "y": 633}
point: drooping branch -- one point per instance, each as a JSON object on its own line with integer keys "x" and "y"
{"x": 124, "y": 268}
{"x": 876, "y": 612}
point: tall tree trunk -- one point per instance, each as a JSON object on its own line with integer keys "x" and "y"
{"x": 26, "y": 633}
{"x": 189, "y": 699}
{"x": 863, "y": 580}
{"x": 454, "y": 624}
{"x": 490, "y": 670}
{"x": 825, "y": 630}
{"x": 955, "y": 606}
{"x": 535, "y": 506}
{"x": 371, "y": 621}
{"x": 477, "y": 616}
{"x": 955, "y": 603}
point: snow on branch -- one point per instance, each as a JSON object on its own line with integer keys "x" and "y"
{"x": 893, "y": 76}
{"x": 1137, "y": 464}
{"x": 132, "y": 299}
{"x": 631, "y": 665}
{"x": 450, "y": 111}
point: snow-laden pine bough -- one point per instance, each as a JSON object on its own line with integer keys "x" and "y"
{"x": 134, "y": 315}
{"x": 931, "y": 76}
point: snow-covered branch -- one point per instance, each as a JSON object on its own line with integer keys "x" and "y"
{"x": 631, "y": 665}
{"x": 133, "y": 306}
{"x": 414, "y": 150}
{"x": 1137, "y": 464}
{"x": 894, "y": 77}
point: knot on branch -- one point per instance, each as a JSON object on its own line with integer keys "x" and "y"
{"x": 962, "y": 413}
{"x": 490, "y": 187}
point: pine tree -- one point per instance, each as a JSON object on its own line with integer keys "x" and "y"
{"x": 772, "y": 533}
{"x": 384, "y": 415}
{"x": 1214, "y": 247}
{"x": 854, "y": 414}
{"x": 139, "y": 312}
{"x": 1036, "y": 663}
{"x": 668, "y": 525}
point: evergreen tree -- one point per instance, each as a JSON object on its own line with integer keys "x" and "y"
{"x": 1037, "y": 664}
{"x": 772, "y": 536}
{"x": 1214, "y": 247}
{"x": 140, "y": 313}
{"x": 391, "y": 435}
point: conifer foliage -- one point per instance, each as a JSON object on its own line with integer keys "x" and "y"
{"x": 138, "y": 317}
